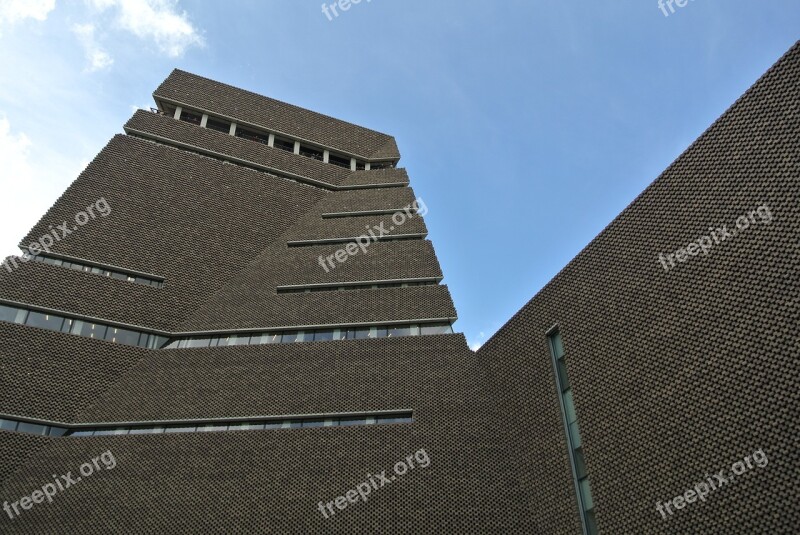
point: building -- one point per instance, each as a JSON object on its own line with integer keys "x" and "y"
{"x": 232, "y": 322}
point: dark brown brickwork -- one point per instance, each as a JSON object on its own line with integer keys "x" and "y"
{"x": 675, "y": 374}
{"x": 53, "y": 376}
{"x": 679, "y": 374}
{"x": 205, "y": 94}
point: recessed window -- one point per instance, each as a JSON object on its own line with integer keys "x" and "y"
{"x": 122, "y": 336}
{"x": 310, "y": 152}
{"x": 219, "y": 126}
{"x": 436, "y": 328}
{"x": 191, "y": 117}
{"x": 284, "y": 144}
{"x": 251, "y": 135}
{"x": 45, "y": 321}
{"x": 339, "y": 161}
{"x": 573, "y": 433}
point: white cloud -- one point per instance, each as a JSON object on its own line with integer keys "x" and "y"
{"x": 31, "y": 180}
{"x": 14, "y": 151}
{"x": 156, "y": 20}
{"x": 476, "y": 346}
{"x": 16, "y": 179}
{"x": 97, "y": 57}
{"x": 12, "y": 11}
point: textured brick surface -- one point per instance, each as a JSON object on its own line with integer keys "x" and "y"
{"x": 193, "y": 220}
{"x": 677, "y": 375}
{"x": 54, "y": 376}
{"x": 193, "y": 137}
{"x": 15, "y": 448}
{"x": 276, "y": 116}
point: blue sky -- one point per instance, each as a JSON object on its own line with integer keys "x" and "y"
{"x": 526, "y": 126}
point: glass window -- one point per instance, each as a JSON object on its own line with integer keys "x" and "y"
{"x": 57, "y": 431}
{"x": 314, "y": 423}
{"x": 358, "y": 334}
{"x": 190, "y": 117}
{"x": 240, "y": 340}
{"x": 250, "y": 135}
{"x": 208, "y": 428}
{"x": 378, "y": 332}
{"x": 563, "y": 377}
{"x": 119, "y": 276}
{"x": 290, "y": 337}
{"x": 89, "y": 330}
{"x": 103, "y": 432}
{"x": 246, "y": 426}
{"x": 394, "y": 419}
{"x": 292, "y": 424}
{"x": 81, "y": 433}
{"x": 400, "y": 330}
{"x": 122, "y": 336}
{"x": 586, "y": 495}
{"x": 436, "y": 328}
{"x": 575, "y": 435}
{"x": 181, "y": 429}
{"x": 8, "y": 425}
{"x": 139, "y": 431}
{"x": 309, "y": 152}
{"x": 580, "y": 463}
{"x": 323, "y": 335}
{"x": 346, "y": 422}
{"x": 339, "y": 161}
{"x": 558, "y": 345}
{"x": 273, "y": 425}
{"x": 8, "y": 314}
{"x": 160, "y": 342}
{"x": 45, "y": 321}
{"x": 569, "y": 407}
{"x": 35, "y": 429}
{"x": 219, "y": 126}
{"x": 284, "y": 144}
{"x": 198, "y": 342}
{"x": 266, "y": 338}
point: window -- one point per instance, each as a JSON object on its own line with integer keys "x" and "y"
{"x": 45, "y": 321}
{"x": 323, "y": 335}
{"x": 191, "y": 117}
{"x": 219, "y": 126}
{"x": 8, "y": 314}
{"x": 403, "y": 330}
{"x": 284, "y": 144}
{"x": 8, "y": 425}
{"x": 381, "y": 165}
{"x": 582, "y": 488}
{"x": 436, "y": 328}
{"x": 251, "y": 135}
{"x": 89, "y": 330}
{"x": 34, "y": 429}
{"x": 309, "y": 152}
{"x": 339, "y": 161}
{"x": 122, "y": 336}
